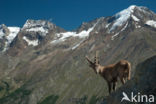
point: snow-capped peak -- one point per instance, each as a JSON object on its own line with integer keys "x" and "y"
{"x": 122, "y": 17}
{"x": 34, "y": 23}
{"x": 13, "y": 33}
{"x": 37, "y": 26}
{"x": 8, "y": 34}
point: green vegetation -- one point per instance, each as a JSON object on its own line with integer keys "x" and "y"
{"x": 20, "y": 93}
{"x": 50, "y": 99}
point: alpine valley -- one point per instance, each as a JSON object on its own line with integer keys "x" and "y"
{"x": 42, "y": 63}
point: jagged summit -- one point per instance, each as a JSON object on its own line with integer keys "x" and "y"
{"x": 137, "y": 14}
{"x": 122, "y": 17}
{"x": 41, "y": 26}
{"x": 33, "y": 23}
{"x": 133, "y": 17}
{"x": 7, "y": 35}
{"x": 35, "y": 32}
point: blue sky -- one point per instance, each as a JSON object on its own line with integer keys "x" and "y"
{"x": 68, "y": 14}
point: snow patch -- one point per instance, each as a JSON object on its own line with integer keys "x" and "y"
{"x": 107, "y": 25}
{"x": 77, "y": 45}
{"x": 1, "y": 34}
{"x": 5, "y": 47}
{"x": 38, "y": 29}
{"x": 138, "y": 26}
{"x": 13, "y": 33}
{"x": 124, "y": 27}
{"x": 96, "y": 32}
{"x": 65, "y": 35}
{"x": 135, "y": 18}
{"x": 31, "y": 42}
{"x": 114, "y": 36}
{"x": 151, "y": 23}
{"x": 122, "y": 17}
{"x": 119, "y": 32}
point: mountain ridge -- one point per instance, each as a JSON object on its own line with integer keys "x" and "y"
{"x": 112, "y": 25}
{"x": 59, "y": 70}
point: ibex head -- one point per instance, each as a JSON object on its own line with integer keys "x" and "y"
{"x": 94, "y": 64}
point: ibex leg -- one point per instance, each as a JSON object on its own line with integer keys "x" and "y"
{"x": 109, "y": 87}
{"x": 114, "y": 86}
{"x": 122, "y": 80}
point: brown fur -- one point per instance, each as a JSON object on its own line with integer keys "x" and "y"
{"x": 112, "y": 72}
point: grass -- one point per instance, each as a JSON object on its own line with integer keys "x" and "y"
{"x": 50, "y": 99}
{"x": 20, "y": 93}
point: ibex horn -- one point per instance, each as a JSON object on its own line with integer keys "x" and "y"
{"x": 96, "y": 58}
{"x": 89, "y": 60}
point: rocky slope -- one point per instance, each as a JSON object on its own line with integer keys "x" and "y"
{"x": 46, "y": 64}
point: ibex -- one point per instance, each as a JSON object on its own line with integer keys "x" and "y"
{"x": 111, "y": 72}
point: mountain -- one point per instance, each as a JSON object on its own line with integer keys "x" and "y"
{"x": 7, "y": 35}
{"x": 33, "y": 33}
{"x": 45, "y": 64}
